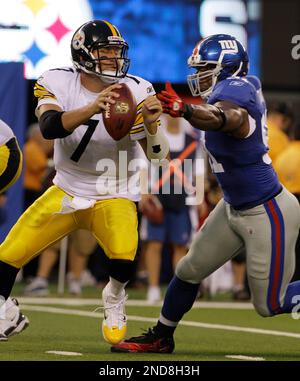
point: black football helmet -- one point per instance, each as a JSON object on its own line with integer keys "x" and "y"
{"x": 99, "y": 34}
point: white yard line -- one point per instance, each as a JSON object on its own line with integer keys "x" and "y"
{"x": 247, "y": 358}
{"x": 63, "y": 353}
{"x": 63, "y": 311}
{"x": 130, "y": 302}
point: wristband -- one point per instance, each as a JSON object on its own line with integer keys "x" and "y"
{"x": 187, "y": 111}
{"x": 157, "y": 145}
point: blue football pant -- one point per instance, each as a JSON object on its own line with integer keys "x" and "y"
{"x": 267, "y": 233}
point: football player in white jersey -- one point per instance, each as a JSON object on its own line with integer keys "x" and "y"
{"x": 11, "y": 319}
{"x": 71, "y": 101}
{"x": 10, "y": 157}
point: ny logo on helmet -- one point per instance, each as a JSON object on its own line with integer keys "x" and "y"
{"x": 228, "y": 45}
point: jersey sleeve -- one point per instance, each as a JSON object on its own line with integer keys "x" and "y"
{"x": 48, "y": 89}
{"x": 6, "y": 133}
{"x": 144, "y": 90}
{"x": 237, "y": 91}
{"x": 255, "y": 81}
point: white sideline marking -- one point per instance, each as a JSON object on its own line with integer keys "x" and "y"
{"x": 130, "y": 302}
{"x": 63, "y": 311}
{"x": 64, "y": 353}
{"x": 249, "y": 358}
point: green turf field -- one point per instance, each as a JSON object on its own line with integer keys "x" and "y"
{"x": 206, "y": 334}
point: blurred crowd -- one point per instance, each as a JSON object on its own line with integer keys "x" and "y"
{"x": 167, "y": 223}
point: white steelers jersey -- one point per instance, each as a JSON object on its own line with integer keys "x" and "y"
{"x": 89, "y": 163}
{"x": 6, "y": 133}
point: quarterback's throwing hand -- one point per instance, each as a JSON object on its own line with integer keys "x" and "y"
{"x": 171, "y": 102}
{"x": 106, "y": 96}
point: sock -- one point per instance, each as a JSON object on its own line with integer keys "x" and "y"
{"x": 179, "y": 299}
{"x": 164, "y": 330}
{"x": 292, "y": 297}
{"x": 9, "y": 303}
{"x": 116, "y": 287}
{"x": 121, "y": 269}
{"x": 8, "y": 275}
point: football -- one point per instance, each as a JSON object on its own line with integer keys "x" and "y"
{"x": 120, "y": 116}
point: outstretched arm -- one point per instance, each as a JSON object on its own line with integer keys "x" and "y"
{"x": 222, "y": 116}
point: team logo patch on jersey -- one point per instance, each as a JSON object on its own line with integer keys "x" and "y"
{"x": 78, "y": 40}
{"x": 236, "y": 83}
{"x": 150, "y": 89}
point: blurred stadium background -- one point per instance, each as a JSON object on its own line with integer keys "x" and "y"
{"x": 35, "y": 36}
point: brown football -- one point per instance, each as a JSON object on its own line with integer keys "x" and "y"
{"x": 120, "y": 116}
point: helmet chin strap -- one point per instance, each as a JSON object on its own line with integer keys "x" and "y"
{"x": 238, "y": 70}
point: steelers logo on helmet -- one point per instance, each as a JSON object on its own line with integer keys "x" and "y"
{"x": 78, "y": 40}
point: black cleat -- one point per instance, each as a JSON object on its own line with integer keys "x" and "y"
{"x": 149, "y": 342}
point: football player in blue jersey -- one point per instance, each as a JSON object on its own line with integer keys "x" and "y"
{"x": 257, "y": 214}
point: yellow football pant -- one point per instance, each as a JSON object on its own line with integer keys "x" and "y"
{"x": 113, "y": 222}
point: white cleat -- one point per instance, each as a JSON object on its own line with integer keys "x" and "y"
{"x": 114, "y": 322}
{"x": 12, "y": 321}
